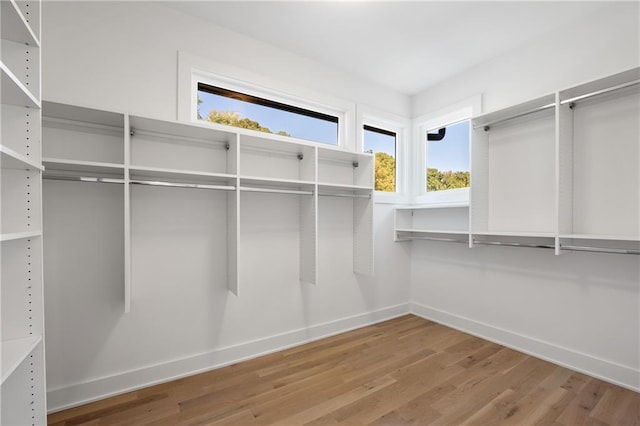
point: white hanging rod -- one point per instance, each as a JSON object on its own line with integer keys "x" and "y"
{"x": 487, "y": 125}
{"x": 501, "y": 243}
{"x": 601, "y": 92}
{"x": 446, "y": 240}
{"x": 275, "y": 191}
{"x": 328, "y": 194}
{"x": 133, "y": 132}
{"x": 83, "y": 178}
{"x": 83, "y": 124}
{"x": 182, "y": 185}
{"x": 600, "y": 249}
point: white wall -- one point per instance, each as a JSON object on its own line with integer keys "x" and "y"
{"x": 579, "y": 309}
{"x": 123, "y": 56}
{"x": 592, "y": 48}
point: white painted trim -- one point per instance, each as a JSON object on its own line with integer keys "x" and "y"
{"x": 465, "y": 109}
{"x": 618, "y": 374}
{"x": 127, "y": 381}
{"x": 193, "y": 68}
{"x": 401, "y": 126}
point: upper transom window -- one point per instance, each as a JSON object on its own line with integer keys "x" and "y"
{"x": 224, "y": 106}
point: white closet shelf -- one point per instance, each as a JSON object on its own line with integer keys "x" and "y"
{"x": 302, "y": 185}
{"x": 178, "y": 174}
{"x": 14, "y": 25}
{"x": 336, "y": 187}
{"x": 269, "y": 143}
{"x": 10, "y": 236}
{"x": 434, "y": 206}
{"x": 433, "y": 231}
{"x": 13, "y": 160}
{"x": 515, "y": 234}
{"x": 75, "y": 116}
{"x": 179, "y": 131}
{"x": 15, "y": 351}
{"x": 14, "y": 92}
{"x": 337, "y": 154}
{"x": 603, "y": 85}
{"x": 82, "y": 166}
{"x": 516, "y": 111}
{"x": 601, "y": 237}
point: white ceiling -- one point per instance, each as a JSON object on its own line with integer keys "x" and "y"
{"x": 406, "y": 46}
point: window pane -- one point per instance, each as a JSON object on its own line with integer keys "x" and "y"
{"x": 382, "y": 143}
{"x": 448, "y": 158}
{"x": 239, "y": 110}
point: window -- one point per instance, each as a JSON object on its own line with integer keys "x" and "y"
{"x": 223, "y": 106}
{"x": 382, "y": 143}
{"x": 448, "y": 157}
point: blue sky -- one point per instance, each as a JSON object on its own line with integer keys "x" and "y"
{"x": 296, "y": 125}
{"x": 379, "y": 143}
{"x": 451, "y": 153}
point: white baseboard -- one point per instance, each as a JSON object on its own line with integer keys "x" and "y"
{"x": 608, "y": 371}
{"x": 93, "y": 390}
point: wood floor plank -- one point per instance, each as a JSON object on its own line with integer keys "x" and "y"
{"x": 405, "y": 371}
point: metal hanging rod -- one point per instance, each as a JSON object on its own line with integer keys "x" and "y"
{"x": 600, "y": 92}
{"x": 284, "y": 153}
{"x": 83, "y": 179}
{"x": 487, "y": 126}
{"x": 276, "y": 191}
{"x": 600, "y": 249}
{"x": 328, "y": 194}
{"x": 354, "y": 163}
{"x": 182, "y": 185}
{"x": 133, "y": 132}
{"x": 446, "y": 240}
{"x": 501, "y": 243}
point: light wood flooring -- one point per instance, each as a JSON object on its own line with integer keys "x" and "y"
{"x": 403, "y": 371}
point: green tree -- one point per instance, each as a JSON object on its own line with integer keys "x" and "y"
{"x": 385, "y": 172}
{"x": 231, "y": 118}
{"x": 438, "y": 181}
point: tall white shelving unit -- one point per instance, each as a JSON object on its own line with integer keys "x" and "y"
{"x": 85, "y": 146}
{"x": 561, "y": 171}
{"x": 23, "y": 397}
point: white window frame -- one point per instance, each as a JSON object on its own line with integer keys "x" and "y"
{"x": 461, "y": 111}
{"x": 193, "y": 69}
{"x": 401, "y": 127}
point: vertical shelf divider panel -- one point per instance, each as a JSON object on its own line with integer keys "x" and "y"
{"x": 479, "y": 193}
{"x": 233, "y": 219}
{"x": 22, "y": 384}
{"x": 309, "y": 223}
{"x": 564, "y": 170}
{"x": 363, "y": 244}
{"x": 127, "y": 214}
